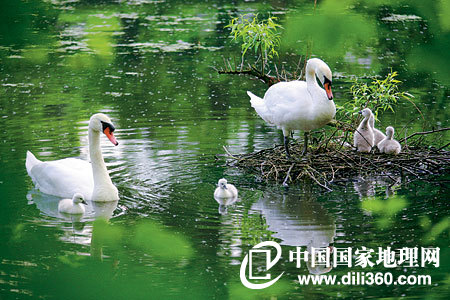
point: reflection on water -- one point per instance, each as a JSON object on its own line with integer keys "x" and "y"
{"x": 48, "y": 205}
{"x": 147, "y": 65}
{"x": 76, "y": 228}
{"x": 298, "y": 220}
{"x": 224, "y": 203}
{"x": 366, "y": 187}
{"x": 103, "y": 210}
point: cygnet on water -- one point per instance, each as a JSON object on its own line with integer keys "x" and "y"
{"x": 225, "y": 190}
{"x": 363, "y": 138}
{"x": 72, "y": 206}
{"x": 388, "y": 145}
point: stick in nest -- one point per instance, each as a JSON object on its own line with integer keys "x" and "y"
{"x": 271, "y": 164}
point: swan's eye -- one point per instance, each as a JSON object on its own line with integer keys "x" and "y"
{"x": 107, "y": 125}
{"x": 326, "y": 80}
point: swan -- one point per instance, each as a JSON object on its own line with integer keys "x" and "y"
{"x": 388, "y": 145}
{"x": 68, "y": 176}
{"x": 225, "y": 190}
{"x": 363, "y": 137}
{"x": 72, "y": 206}
{"x": 298, "y": 105}
{"x": 378, "y": 136}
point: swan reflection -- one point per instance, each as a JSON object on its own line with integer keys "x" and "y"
{"x": 298, "y": 220}
{"x": 76, "y": 227}
{"x": 224, "y": 203}
{"x": 366, "y": 187}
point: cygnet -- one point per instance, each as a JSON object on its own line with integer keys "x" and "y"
{"x": 72, "y": 206}
{"x": 388, "y": 145}
{"x": 378, "y": 136}
{"x": 225, "y": 190}
{"x": 363, "y": 138}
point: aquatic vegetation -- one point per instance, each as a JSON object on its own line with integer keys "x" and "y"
{"x": 378, "y": 95}
{"x": 260, "y": 36}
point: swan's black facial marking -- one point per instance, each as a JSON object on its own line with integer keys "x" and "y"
{"x": 327, "y": 86}
{"x": 107, "y": 125}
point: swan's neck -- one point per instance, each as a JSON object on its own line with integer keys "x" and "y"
{"x": 372, "y": 121}
{"x": 311, "y": 77}
{"x": 365, "y": 122}
{"x": 99, "y": 171}
{"x": 389, "y": 135}
{"x": 314, "y": 89}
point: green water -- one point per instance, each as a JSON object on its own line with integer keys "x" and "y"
{"x": 148, "y": 65}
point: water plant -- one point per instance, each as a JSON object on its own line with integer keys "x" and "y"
{"x": 379, "y": 95}
{"x": 261, "y": 36}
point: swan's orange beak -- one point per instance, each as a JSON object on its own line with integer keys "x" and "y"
{"x": 110, "y": 136}
{"x": 327, "y": 86}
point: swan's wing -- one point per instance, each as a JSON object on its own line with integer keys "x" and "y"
{"x": 287, "y": 93}
{"x": 288, "y": 100}
{"x": 64, "y": 177}
{"x": 260, "y": 107}
{"x": 74, "y": 164}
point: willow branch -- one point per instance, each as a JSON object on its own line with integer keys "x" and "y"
{"x": 269, "y": 80}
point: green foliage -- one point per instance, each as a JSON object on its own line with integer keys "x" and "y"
{"x": 260, "y": 36}
{"x": 331, "y": 31}
{"x": 384, "y": 210}
{"x": 74, "y": 261}
{"x": 147, "y": 236}
{"x": 379, "y": 95}
{"x": 159, "y": 241}
{"x": 434, "y": 231}
{"x": 105, "y": 234}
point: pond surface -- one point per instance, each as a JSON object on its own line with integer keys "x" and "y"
{"x": 148, "y": 66}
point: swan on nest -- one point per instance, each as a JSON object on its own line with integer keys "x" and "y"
{"x": 298, "y": 105}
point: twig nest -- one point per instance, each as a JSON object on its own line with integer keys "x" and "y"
{"x": 337, "y": 163}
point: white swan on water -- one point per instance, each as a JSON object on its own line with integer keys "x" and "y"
{"x": 298, "y": 105}
{"x": 225, "y": 190}
{"x": 68, "y": 176}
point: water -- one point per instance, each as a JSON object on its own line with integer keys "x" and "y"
{"x": 147, "y": 64}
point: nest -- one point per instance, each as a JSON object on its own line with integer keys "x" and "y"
{"x": 336, "y": 164}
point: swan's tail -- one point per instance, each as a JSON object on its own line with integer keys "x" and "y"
{"x": 260, "y": 107}
{"x": 31, "y": 162}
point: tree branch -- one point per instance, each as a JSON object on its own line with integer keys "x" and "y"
{"x": 423, "y": 133}
{"x": 269, "y": 80}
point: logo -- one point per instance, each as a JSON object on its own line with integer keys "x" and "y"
{"x": 248, "y": 261}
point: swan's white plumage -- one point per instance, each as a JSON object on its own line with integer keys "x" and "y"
{"x": 297, "y": 105}
{"x": 363, "y": 137}
{"x": 72, "y": 206}
{"x": 388, "y": 145}
{"x": 62, "y": 177}
{"x": 68, "y": 176}
{"x": 225, "y": 190}
{"x": 378, "y": 136}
